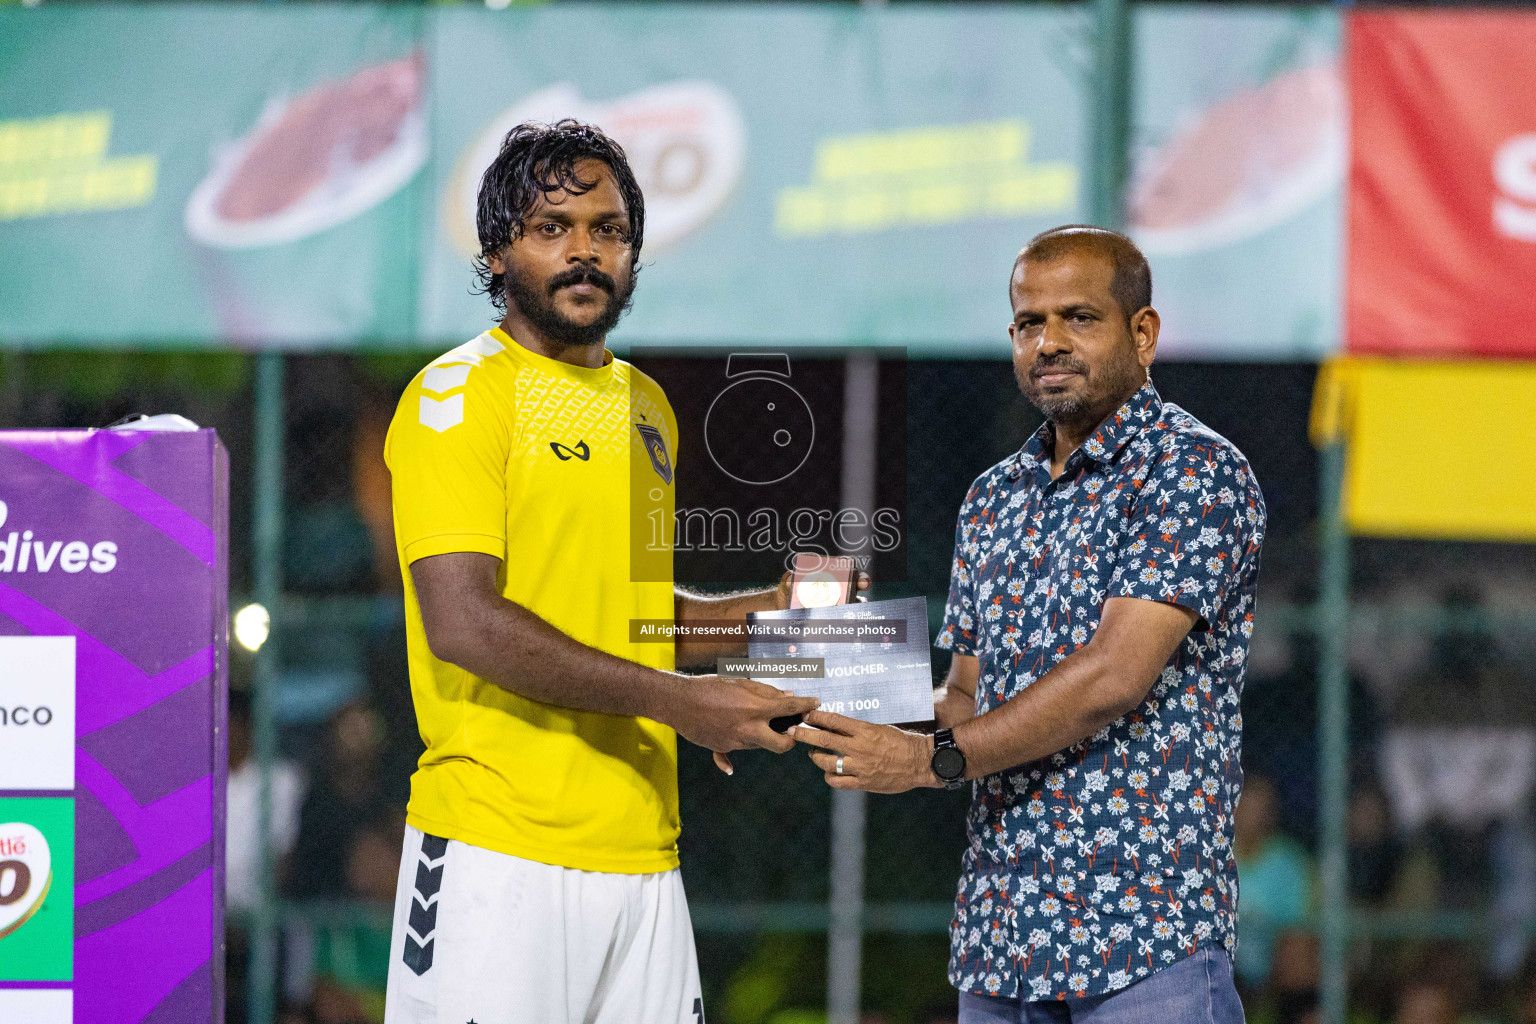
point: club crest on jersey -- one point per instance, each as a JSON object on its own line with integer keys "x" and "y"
{"x": 656, "y": 448}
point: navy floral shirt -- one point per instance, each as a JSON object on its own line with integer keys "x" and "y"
{"x": 1112, "y": 859}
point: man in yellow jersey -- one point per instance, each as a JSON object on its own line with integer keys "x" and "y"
{"x": 539, "y": 880}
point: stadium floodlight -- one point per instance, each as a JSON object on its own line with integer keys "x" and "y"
{"x": 252, "y": 626}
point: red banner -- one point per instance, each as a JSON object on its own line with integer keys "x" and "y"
{"x": 1442, "y": 202}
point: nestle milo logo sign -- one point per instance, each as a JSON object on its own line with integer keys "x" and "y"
{"x": 26, "y": 874}
{"x": 37, "y": 894}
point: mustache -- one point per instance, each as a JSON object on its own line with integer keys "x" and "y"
{"x": 1058, "y": 364}
{"x": 583, "y": 275}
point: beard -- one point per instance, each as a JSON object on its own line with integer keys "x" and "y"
{"x": 1103, "y": 391}
{"x": 538, "y": 305}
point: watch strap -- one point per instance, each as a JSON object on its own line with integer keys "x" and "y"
{"x": 945, "y": 739}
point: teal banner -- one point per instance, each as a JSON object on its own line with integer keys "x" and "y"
{"x": 304, "y": 176}
{"x": 210, "y": 176}
{"x": 1237, "y": 192}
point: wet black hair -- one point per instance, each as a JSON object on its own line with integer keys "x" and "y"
{"x": 1131, "y": 286}
{"x": 537, "y": 160}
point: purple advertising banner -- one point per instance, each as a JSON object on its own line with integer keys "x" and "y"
{"x": 113, "y": 700}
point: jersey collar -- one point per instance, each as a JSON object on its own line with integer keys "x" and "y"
{"x": 558, "y": 368}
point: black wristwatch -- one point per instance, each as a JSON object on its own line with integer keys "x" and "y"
{"x": 948, "y": 760}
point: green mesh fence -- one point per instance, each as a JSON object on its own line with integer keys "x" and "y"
{"x": 1441, "y": 866}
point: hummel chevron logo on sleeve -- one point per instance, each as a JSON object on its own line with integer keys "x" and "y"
{"x": 438, "y": 379}
{"x": 419, "y": 943}
{"x": 442, "y": 415}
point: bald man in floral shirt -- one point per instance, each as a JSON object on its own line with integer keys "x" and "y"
{"x": 1099, "y": 612}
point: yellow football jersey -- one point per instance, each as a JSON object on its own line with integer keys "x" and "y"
{"x": 552, "y": 468}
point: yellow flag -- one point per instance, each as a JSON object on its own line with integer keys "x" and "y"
{"x": 1435, "y": 448}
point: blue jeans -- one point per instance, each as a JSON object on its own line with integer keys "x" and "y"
{"x": 1196, "y": 990}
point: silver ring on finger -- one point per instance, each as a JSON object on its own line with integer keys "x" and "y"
{"x": 837, "y": 769}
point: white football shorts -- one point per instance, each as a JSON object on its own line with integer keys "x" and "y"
{"x": 494, "y": 939}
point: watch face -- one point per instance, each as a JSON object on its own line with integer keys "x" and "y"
{"x": 948, "y": 763}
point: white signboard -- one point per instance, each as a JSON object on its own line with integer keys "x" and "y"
{"x": 37, "y": 712}
{"x": 38, "y": 1006}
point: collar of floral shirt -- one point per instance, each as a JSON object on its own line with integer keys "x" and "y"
{"x": 1144, "y": 407}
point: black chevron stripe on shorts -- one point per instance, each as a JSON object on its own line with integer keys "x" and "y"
{"x": 423, "y": 919}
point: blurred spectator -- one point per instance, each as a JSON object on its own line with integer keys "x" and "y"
{"x": 1274, "y": 877}
{"x": 371, "y": 496}
{"x": 1293, "y": 976}
{"x": 242, "y": 871}
{"x": 1437, "y": 987}
{"x": 243, "y": 838}
{"x": 1459, "y": 761}
{"x": 1513, "y": 857}
{"x": 1375, "y": 850}
{"x": 327, "y": 546}
{"x": 1280, "y": 727}
{"x": 1523, "y": 994}
{"x": 389, "y": 681}
{"x": 389, "y": 690}
{"x": 1425, "y": 1003}
{"x": 352, "y": 961}
{"x": 348, "y": 794}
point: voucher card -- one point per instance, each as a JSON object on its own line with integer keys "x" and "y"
{"x": 873, "y": 657}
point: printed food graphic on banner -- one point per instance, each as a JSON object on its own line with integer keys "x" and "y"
{"x": 1237, "y": 179}
{"x": 813, "y": 174}
{"x": 316, "y": 160}
{"x": 685, "y": 140}
{"x": 810, "y": 177}
{"x": 26, "y": 872}
{"x": 37, "y": 891}
{"x": 1243, "y": 165}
